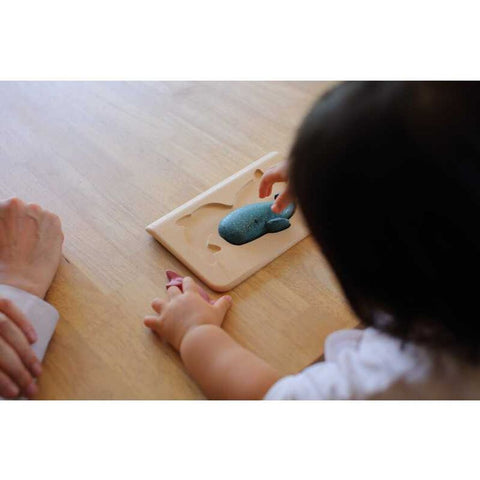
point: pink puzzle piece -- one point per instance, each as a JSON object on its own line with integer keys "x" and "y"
{"x": 175, "y": 280}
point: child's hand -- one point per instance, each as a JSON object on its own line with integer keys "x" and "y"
{"x": 181, "y": 312}
{"x": 277, "y": 173}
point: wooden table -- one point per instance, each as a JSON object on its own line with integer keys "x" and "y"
{"x": 111, "y": 157}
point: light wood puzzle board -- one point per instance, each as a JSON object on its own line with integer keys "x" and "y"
{"x": 190, "y": 231}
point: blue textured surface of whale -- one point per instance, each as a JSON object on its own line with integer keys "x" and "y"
{"x": 253, "y": 221}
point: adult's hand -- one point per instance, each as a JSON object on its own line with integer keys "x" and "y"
{"x": 30, "y": 246}
{"x": 18, "y": 364}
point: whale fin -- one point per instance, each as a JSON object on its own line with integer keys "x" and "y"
{"x": 277, "y": 225}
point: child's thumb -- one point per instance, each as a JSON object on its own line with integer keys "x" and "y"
{"x": 223, "y": 304}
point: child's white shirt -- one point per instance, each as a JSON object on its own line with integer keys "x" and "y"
{"x": 358, "y": 364}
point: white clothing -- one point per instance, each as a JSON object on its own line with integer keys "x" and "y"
{"x": 358, "y": 364}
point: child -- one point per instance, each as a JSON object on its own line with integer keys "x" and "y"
{"x": 388, "y": 178}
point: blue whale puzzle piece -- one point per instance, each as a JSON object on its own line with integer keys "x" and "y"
{"x": 252, "y": 221}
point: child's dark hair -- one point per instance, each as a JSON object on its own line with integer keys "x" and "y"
{"x": 387, "y": 175}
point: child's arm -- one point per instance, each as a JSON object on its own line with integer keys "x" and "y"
{"x": 221, "y": 367}
{"x": 224, "y": 369}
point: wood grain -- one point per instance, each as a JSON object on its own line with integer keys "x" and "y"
{"x": 111, "y": 157}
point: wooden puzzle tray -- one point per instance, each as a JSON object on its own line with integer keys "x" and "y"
{"x": 190, "y": 231}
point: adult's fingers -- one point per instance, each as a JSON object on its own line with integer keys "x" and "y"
{"x": 16, "y": 339}
{"x": 8, "y": 389}
{"x": 11, "y": 365}
{"x": 3, "y": 232}
{"x": 34, "y": 211}
{"x": 282, "y": 201}
{"x": 13, "y": 210}
{"x": 8, "y": 308}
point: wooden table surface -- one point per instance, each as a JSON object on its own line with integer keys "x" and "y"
{"x": 109, "y": 158}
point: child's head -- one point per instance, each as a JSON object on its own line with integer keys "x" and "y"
{"x": 388, "y": 178}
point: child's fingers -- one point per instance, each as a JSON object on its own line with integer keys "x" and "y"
{"x": 189, "y": 285}
{"x": 266, "y": 183}
{"x": 271, "y": 176}
{"x": 264, "y": 186}
{"x": 223, "y": 304}
{"x": 155, "y": 323}
{"x": 282, "y": 201}
{"x": 172, "y": 292}
{"x": 158, "y": 305}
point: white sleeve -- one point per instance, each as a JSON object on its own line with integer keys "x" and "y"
{"x": 358, "y": 364}
{"x": 42, "y": 315}
{"x": 323, "y": 381}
